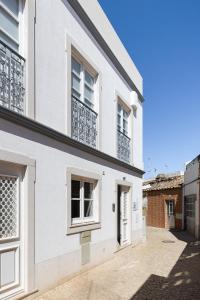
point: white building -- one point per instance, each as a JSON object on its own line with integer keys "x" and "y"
{"x": 70, "y": 142}
{"x": 191, "y": 197}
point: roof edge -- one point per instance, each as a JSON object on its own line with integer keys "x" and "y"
{"x": 81, "y": 12}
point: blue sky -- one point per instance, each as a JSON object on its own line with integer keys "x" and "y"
{"x": 163, "y": 38}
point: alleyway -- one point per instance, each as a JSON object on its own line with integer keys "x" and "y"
{"x": 167, "y": 266}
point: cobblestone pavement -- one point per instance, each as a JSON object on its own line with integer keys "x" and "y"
{"x": 167, "y": 266}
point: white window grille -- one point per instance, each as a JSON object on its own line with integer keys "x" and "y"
{"x": 82, "y": 201}
{"x": 123, "y": 140}
{"x": 9, "y": 198}
{"x": 84, "y": 117}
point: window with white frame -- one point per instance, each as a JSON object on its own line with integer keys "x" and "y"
{"x": 84, "y": 116}
{"x": 83, "y": 201}
{"x": 123, "y": 139}
{"x": 122, "y": 119}
{"x": 83, "y": 83}
{"x": 10, "y": 22}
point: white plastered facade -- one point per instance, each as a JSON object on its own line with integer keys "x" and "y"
{"x": 56, "y": 250}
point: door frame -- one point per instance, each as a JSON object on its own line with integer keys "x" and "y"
{"x": 128, "y": 185}
{"x": 170, "y": 216}
{"x": 29, "y": 222}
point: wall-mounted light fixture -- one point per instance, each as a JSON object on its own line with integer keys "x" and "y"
{"x": 134, "y": 100}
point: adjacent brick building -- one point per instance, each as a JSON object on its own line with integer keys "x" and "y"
{"x": 164, "y": 201}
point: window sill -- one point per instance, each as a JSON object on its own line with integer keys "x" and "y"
{"x": 78, "y": 228}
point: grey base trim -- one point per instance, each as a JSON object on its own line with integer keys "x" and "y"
{"x": 25, "y": 295}
{"x": 25, "y": 122}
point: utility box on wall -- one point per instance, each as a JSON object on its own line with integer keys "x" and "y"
{"x": 85, "y": 239}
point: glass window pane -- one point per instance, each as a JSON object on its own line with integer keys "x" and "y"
{"x": 9, "y": 24}
{"x": 89, "y": 79}
{"x": 88, "y": 190}
{"x": 76, "y": 94}
{"x": 12, "y": 5}
{"x": 118, "y": 119}
{"x": 119, "y": 108}
{"x": 75, "y": 83}
{"x": 88, "y": 103}
{"x": 75, "y": 189}
{"x": 125, "y": 126}
{"x": 88, "y": 211}
{"x": 88, "y": 94}
{"x": 75, "y": 209}
{"x": 8, "y": 41}
{"x": 125, "y": 115}
{"x": 76, "y": 67}
{"x": 119, "y": 123}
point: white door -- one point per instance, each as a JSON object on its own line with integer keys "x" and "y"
{"x": 124, "y": 220}
{"x": 11, "y": 234}
{"x": 170, "y": 214}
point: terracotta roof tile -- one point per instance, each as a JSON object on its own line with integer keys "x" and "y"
{"x": 163, "y": 182}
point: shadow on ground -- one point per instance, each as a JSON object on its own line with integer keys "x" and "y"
{"x": 183, "y": 281}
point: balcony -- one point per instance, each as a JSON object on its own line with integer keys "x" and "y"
{"x": 12, "y": 88}
{"x": 123, "y": 147}
{"x": 84, "y": 123}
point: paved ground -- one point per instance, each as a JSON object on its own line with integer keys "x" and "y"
{"x": 167, "y": 266}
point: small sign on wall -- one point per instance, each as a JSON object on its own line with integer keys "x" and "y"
{"x": 135, "y": 205}
{"x": 85, "y": 237}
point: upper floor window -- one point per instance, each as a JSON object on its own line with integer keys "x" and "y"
{"x": 84, "y": 116}
{"x": 9, "y": 22}
{"x": 122, "y": 119}
{"x": 123, "y": 139}
{"x": 12, "y": 89}
{"x": 82, "y": 84}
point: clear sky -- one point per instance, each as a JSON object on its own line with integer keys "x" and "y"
{"x": 163, "y": 38}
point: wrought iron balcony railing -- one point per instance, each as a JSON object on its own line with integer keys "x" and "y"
{"x": 123, "y": 147}
{"x": 84, "y": 123}
{"x": 12, "y": 88}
